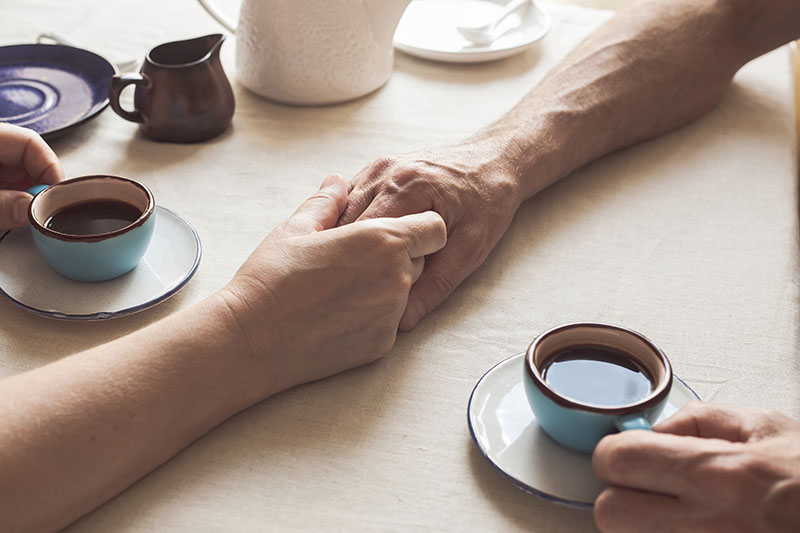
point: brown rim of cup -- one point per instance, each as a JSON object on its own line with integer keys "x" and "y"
{"x": 660, "y": 391}
{"x": 151, "y": 205}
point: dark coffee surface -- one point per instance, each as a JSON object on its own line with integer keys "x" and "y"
{"x": 597, "y": 375}
{"x": 91, "y": 218}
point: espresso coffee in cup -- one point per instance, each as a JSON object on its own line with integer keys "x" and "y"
{"x": 597, "y": 375}
{"x": 584, "y": 381}
{"x": 93, "y": 228}
{"x": 93, "y": 217}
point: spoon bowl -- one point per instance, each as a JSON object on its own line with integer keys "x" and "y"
{"x": 486, "y": 33}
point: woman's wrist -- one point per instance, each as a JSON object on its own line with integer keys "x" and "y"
{"x": 210, "y": 347}
{"x": 254, "y": 327}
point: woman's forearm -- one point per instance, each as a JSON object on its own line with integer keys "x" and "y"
{"x": 312, "y": 300}
{"x": 83, "y": 429}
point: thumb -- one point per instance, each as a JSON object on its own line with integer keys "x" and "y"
{"x": 14, "y": 209}
{"x": 443, "y": 272}
{"x": 319, "y": 212}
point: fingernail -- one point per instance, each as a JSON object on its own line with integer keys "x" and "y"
{"x": 329, "y": 180}
{"x": 21, "y": 210}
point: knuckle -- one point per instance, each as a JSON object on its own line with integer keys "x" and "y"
{"x": 618, "y": 459}
{"x": 387, "y": 241}
{"x": 409, "y": 175}
{"x": 604, "y": 509}
{"x": 7, "y": 212}
{"x": 441, "y": 284}
{"x": 380, "y": 166}
{"x": 402, "y": 280}
{"x": 401, "y": 176}
{"x": 695, "y": 410}
{"x": 321, "y": 196}
{"x": 696, "y": 407}
{"x": 734, "y": 475}
{"x": 774, "y": 418}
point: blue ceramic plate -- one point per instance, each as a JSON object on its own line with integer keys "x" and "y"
{"x": 52, "y": 88}
{"x": 169, "y": 263}
{"x": 505, "y": 430}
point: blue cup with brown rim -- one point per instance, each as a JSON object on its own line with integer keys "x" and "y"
{"x": 93, "y": 228}
{"x": 586, "y": 380}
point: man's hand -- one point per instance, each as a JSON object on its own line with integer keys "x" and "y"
{"x": 25, "y": 160}
{"x": 473, "y": 189}
{"x": 708, "y": 468}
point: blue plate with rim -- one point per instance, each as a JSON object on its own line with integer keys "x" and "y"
{"x": 52, "y": 88}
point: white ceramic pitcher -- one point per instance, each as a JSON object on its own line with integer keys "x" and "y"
{"x": 313, "y": 51}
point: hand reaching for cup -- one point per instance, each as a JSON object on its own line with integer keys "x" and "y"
{"x": 708, "y": 468}
{"x": 25, "y": 160}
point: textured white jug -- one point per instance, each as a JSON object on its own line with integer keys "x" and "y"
{"x": 313, "y": 51}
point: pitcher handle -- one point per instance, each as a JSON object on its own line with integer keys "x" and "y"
{"x": 214, "y": 11}
{"x": 119, "y": 82}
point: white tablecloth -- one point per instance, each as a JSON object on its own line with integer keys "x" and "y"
{"x": 691, "y": 239}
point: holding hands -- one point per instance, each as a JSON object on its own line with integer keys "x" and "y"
{"x": 25, "y": 160}
{"x": 330, "y": 298}
{"x": 311, "y": 300}
{"x": 708, "y": 468}
{"x": 471, "y": 186}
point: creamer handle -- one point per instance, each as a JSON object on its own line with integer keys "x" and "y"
{"x": 119, "y": 82}
{"x": 214, "y": 11}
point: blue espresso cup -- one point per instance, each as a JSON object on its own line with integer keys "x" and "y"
{"x": 581, "y": 423}
{"x": 94, "y": 256}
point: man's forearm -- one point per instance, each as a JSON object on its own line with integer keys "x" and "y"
{"x": 653, "y": 68}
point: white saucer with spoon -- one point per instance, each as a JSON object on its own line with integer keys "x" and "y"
{"x": 430, "y": 29}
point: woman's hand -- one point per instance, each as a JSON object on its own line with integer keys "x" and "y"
{"x": 25, "y": 161}
{"x": 313, "y": 300}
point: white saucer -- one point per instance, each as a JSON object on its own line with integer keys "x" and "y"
{"x": 428, "y": 30}
{"x": 506, "y": 432}
{"x": 170, "y": 261}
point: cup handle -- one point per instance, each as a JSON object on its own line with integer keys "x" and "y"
{"x": 629, "y": 422}
{"x": 119, "y": 82}
{"x": 36, "y": 189}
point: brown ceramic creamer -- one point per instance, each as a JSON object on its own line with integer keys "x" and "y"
{"x": 182, "y": 93}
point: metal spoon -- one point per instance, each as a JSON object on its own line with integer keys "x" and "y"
{"x": 487, "y": 32}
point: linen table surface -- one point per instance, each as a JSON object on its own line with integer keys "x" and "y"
{"x": 691, "y": 239}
